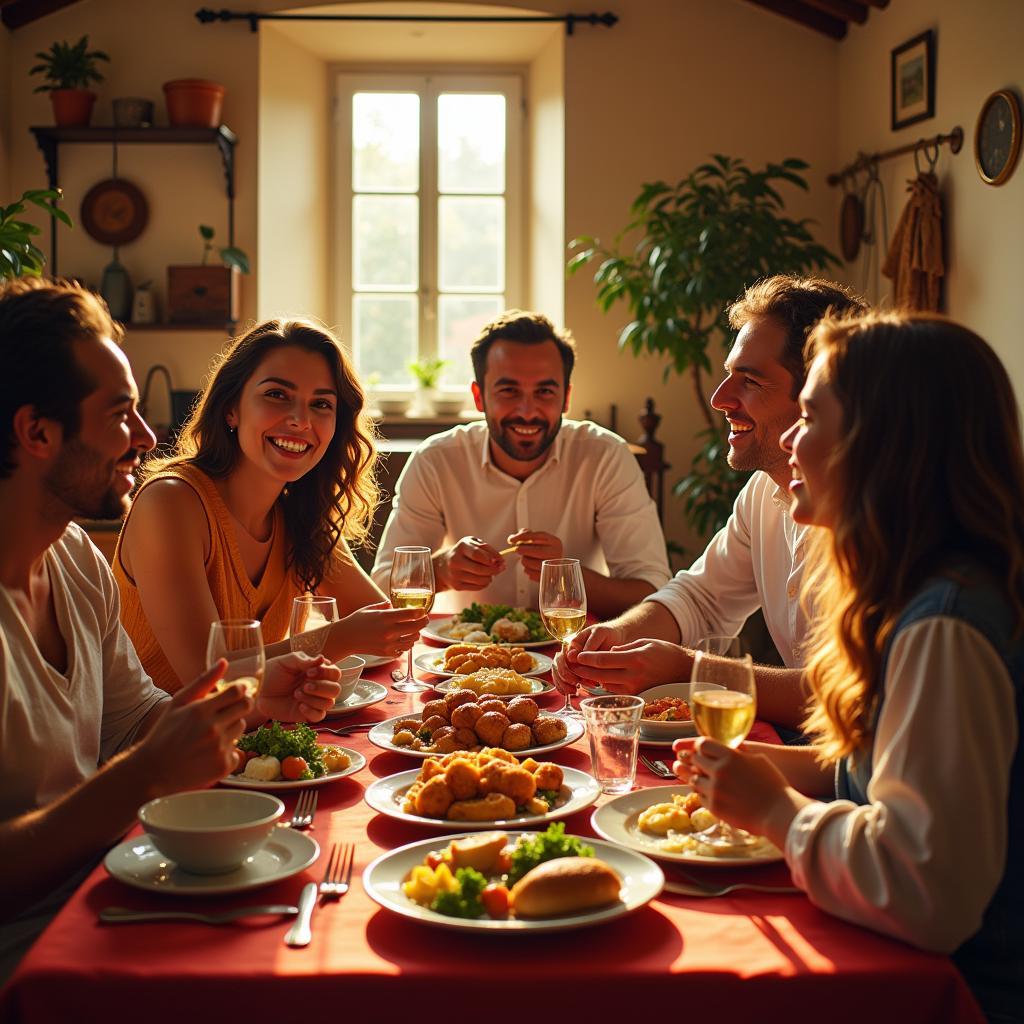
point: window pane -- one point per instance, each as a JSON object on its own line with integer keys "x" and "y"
{"x": 385, "y": 336}
{"x": 385, "y": 242}
{"x": 471, "y": 243}
{"x": 460, "y": 319}
{"x": 385, "y": 142}
{"x": 470, "y": 143}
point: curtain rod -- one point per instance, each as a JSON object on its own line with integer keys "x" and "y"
{"x": 205, "y": 16}
{"x": 955, "y": 139}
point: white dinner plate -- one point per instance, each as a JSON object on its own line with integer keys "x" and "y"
{"x": 365, "y": 694}
{"x": 373, "y": 660}
{"x": 241, "y": 782}
{"x": 663, "y": 733}
{"x": 642, "y": 880}
{"x": 437, "y": 631}
{"x": 433, "y": 662}
{"x": 617, "y": 822}
{"x": 138, "y": 863}
{"x": 385, "y": 795}
{"x": 380, "y": 736}
{"x": 537, "y": 687}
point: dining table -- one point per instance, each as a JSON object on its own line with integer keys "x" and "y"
{"x": 745, "y": 956}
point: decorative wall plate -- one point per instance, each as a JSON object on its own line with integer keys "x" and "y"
{"x": 997, "y": 137}
{"x": 114, "y": 212}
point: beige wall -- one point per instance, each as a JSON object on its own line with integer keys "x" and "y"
{"x": 979, "y": 48}
{"x": 5, "y": 116}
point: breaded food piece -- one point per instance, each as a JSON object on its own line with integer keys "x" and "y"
{"x": 548, "y": 776}
{"x": 466, "y": 739}
{"x": 491, "y": 703}
{"x": 517, "y": 737}
{"x": 431, "y": 767}
{"x": 335, "y": 759}
{"x": 536, "y": 806}
{"x": 548, "y": 729}
{"x": 458, "y": 650}
{"x": 465, "y": 664}
{"x": 522, "y": 662}
{"x": 493, "y": 807}
{"x": 522, "y": 709}
{"x": 433, "y": 724}
{"x": 434, "y": 798}
{"x": 453, "y": 698}
{"x": 529, "y": 764}
{"x": 412, "y": 724}
{"x": 403, "y": 738}
{"x": 498, "y": 754}
{"x": 490, "y": 727}
{"x": 515, "y": 782}
{"x": 690, "y": 802}
{"x": 465, "y": 715}
{"x": 435, "y": 707}
{"x": 463, "y": 778}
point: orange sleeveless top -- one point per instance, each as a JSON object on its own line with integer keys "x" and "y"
{"x": 234, "y": 594}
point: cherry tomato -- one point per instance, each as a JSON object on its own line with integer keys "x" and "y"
{"x": 435, "y": 859}
{"x": 504, "y": 863}
{"x": 293, "y": 768}
{"x": 495, "y": 900}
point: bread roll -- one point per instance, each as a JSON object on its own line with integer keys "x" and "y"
{"x": 565, "y": 886}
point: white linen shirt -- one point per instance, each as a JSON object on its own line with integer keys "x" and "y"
{"x": 589, "y": 493}
{"x": 924, "y": 857}
{"x": 755, "y": 561}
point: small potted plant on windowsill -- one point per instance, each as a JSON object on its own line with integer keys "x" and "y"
{"x": 427, "y": 372}
{"x": 206, "y": 294}
{"x": 69, "y": 71}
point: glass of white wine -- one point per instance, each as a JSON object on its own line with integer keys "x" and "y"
{"x": 240, "y": 643}
{"x": 563, "y": 608}
{"x": 412, "y": 586}
{"x": 310, "y": 615}
{"x": 723, "y": 700}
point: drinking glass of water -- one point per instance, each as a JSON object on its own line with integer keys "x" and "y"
{"x": 240, "y": 643}
{"x": 613, "y": 728}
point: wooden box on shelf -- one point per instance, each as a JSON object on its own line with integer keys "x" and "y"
{"x": 202, "y": 295}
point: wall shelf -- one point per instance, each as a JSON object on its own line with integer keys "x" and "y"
{"x": 49, "y": 139}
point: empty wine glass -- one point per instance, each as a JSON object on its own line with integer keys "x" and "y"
{"x": 723, "y": 700}
{"x": 240, "y": 643}
{"x": 412, "y": 586}
{"x": 311, "y": 617}
{"x": 563, "y": 608}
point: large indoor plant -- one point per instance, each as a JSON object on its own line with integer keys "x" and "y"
{"x": 19, "y": 255}
{"x": 703, "y": 241}
{"x": 68, "y": 72}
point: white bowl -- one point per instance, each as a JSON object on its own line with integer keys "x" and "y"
{"x": 393, "y": 406}
{"x": 448, "y": 406}
{"x": 210, "y": 831}
{"x": 351, "y": 669}
{"x": 666, "y": 730}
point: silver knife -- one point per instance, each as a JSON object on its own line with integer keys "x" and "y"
{"x": 299, "y": 934}
{"x": 124, "y": 915}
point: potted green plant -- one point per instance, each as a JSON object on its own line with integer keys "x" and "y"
{"x": 68, "y": 72}
{"x": 427, "y": 372}
{"x": 703, "y": 241}
{"x": 18, "y": 253}
{"x": 203, "y": 293}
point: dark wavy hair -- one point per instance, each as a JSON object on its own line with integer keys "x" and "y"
{"x": 336, "y": 498}
{"x": 929, "y": 470}
{"x": 523, "y": 328}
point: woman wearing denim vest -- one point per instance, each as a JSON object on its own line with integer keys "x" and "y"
{"x": 907, "y": 813}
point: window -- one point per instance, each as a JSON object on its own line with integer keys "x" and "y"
{"x": 428, "y": 243}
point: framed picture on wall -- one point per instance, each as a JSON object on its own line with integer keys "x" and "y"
{"x": 912, "y": 86}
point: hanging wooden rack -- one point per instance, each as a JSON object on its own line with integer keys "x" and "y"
{"x": 864, "y": 161}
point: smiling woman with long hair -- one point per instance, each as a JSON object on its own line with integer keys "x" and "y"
{"x": 908, "y": 456}
{"x": 270, "y": 479}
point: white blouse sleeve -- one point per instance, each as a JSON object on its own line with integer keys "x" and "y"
{"x": 923, "y": 858}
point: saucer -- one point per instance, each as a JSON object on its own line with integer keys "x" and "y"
{"x": 366, "y": 693}
{"x": 138, "y": 863}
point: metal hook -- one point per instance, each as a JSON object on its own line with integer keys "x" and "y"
{"x": 932, "y": 159}
{"x": 917, "y": 149}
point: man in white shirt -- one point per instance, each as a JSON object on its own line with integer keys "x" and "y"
{"x": 85, "y": 736}
{"x": 529, "y": 480}
{"x": 757, "y": 559}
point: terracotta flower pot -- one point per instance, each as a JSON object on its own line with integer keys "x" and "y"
{"x": 193, "y": 103}
{"x": 72, "y": 108}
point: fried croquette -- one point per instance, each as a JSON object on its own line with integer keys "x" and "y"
{"x": 412, "y": 724}
{"x": 548, "y": 776}
{"x": 522, "y": 709}
{"x": 512, "y": 780}
{"x": 465, "y": 715}
{"x": 403, "y": 738}
{"x": 490, "y": 727}
{"x": 433, "y": 724}
{"x": 463, "y": 778}
{"x": 455, "y": 698}
{"x": 493, "y": 807}
{"x": 466, "y": 739}
{"x": 517, "y": 737}
{"x": 434, "y": 798}
{"x": 435, "y": 707}
{"x": 521, "y": 662}
{"x": 547, "y": 729}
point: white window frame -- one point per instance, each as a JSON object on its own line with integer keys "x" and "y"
{"x": 429, "y": 86}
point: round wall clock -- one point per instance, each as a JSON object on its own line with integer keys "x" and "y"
{"x": 114, "y": 212}
{"x": 997, "y": 137}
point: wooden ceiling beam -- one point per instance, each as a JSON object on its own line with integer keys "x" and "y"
{"x": 796, "y": 10}
{"x": 16, "y": 13}
{"x": 847, "y": 10}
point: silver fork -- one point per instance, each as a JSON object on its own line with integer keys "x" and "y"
{"x": 338, "y": 876}
{"x": 658, "y": 768}
{"x": 305, "y": 808}
{"x": 346, "y": 730}
{"x": 703, "y": 890}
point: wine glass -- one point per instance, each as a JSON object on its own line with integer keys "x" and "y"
{"x": 723, "y": 700}
{"x": 563, "y": 608}
{"x": 240, "y": 643}
{"x": 310, "y": 617}
{"x": 412, "y": 586}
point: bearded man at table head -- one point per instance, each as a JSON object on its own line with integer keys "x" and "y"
{"x": 527, "y": 478}
{"x": 756, "y": 560}
{"x": 85, "y": 736}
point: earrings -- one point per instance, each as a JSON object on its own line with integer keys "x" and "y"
{"x": 231, "y": 429}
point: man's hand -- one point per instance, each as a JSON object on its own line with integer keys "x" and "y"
{"x": 533, "y": 547}
{"x": 297, "y": 688}
{"x": 469, "y": 564}
{"x": 634, "y": 667}
{"x": 600, "y": 637}
{"x": 193, "y": 743}
{"x": 382, "y": 630}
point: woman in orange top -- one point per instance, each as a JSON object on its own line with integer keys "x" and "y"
{"x": 269, "y": 480}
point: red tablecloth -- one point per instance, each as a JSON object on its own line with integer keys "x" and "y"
{"x": 749, "y": 956}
